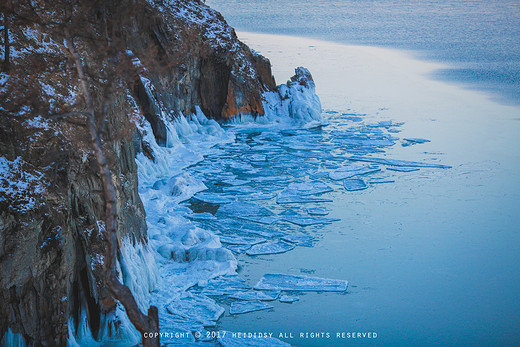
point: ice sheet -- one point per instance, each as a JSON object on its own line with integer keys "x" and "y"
{"x": 307, "y": 188}
{"x": 240, "y": 307}
{"x": 295, "y": 199}
{"x": 403, "y": 169}
{"x": 240, "y": 240}
{"x": 270, "y": 248}
{"x": 243, "y": 209}
{"x": 300, "y": 283}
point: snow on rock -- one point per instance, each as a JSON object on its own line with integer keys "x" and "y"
{"x": 296, "y": 101}
{"x": 20, "y": 184}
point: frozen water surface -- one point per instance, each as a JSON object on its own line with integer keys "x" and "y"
{"x": 301, "y": 238}
{"x": 224, "y": 285}
{"x": 403, "y": 169}
{"x": 351, "y": 171}
{"x": 316, "y": 211}
{"x": 240, "y": 307}
{"x": 300, "y": 283}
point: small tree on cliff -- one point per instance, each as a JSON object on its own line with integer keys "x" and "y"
{"x": 77, "y": 25}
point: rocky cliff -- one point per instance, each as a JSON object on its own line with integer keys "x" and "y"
{"x": 51, "y": 202}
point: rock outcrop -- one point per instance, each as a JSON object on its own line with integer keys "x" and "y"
{"x": 51, "y": 202}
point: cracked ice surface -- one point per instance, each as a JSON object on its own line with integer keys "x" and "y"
{"x": 257, "y": 295}
{"x": 300, "y": 283}
{"x": 354, "y": 184}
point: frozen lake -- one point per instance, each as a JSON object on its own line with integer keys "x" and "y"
{"x": 479, "y": 39}
{"x": 431, "y": 258}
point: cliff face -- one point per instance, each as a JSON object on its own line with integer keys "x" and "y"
{"x": 51, "y": 202}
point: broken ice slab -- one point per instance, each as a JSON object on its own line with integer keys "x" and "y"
{"x": 212, "y": 198}
{"x": 351, "y": 171}
{"x": 238, "y": 248}
{"x": 225, "y": 285}
{"x": 296, "y": 199}
{"x": 288, "y": 212}
{"x": 240, "y": 240}
{"x": 261, "y": 220}
{"x": 354, "y": 184}
{"x": 258, "y": 196}
{"x": 243, "y": 209}
{"x": 403, "y": 169}
{"x": 305, "y": 221}
{"x": 201, "y": 216}
{"x": 300, "y": 283}
{"x": 316, "y": 211}
{"x": 240, "y": 307}
{"x": 267, "y": 295}
{"x": 198, "y": 308}
{"x": 306, "y": 188}
{"x": 234, "y": 182}
{"x": 270, "y": 248}
{"x": 301, "y": 238}
{"x": 233, "y": 339}
{"x": 298, "y": 173}
{"x": 413, "y": 141}
{"x": 288, "y": 299}
{"x": 381, "y": 180}
{"x": 394, "y": 162}
{"x": 318, "y": 175}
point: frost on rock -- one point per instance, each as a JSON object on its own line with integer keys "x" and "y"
{"x": 300, "y": 283}
{"x": 270, "y": 248}
{"x": 295, "y": 102}
{"x": 257, "y": 295}
{"x": 394, "y": 162}
{"x": 196, "y": 308}
{"x": 240, "y": 307}
{"x": 354, "y": 184}
{"x": 232, "y": 339}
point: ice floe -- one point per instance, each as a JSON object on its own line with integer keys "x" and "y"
{"x": 197, "y": 308}
{"x": 300, "y": 283}
{"x": 316, "y": 211}
{"x": 288, "y": 299}
{"x": 240, "y": 307}
{"x": 298, "y": 239}
{"x": 305, "y": 221}
{"x": 224, "y": 285}
{"x": 351, "y": 170}
{"x": 264, "y": 295}
{"x": 270, "y": 248}
{"x": 354, "y": 184}
{"x": 395, "y": 162}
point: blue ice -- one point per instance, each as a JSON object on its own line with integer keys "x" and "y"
{"x": 354, "y": 184}
{"x": 270, "y": 248}
{"x": 300, "y": 283}
{"x": 240, "y": 307}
